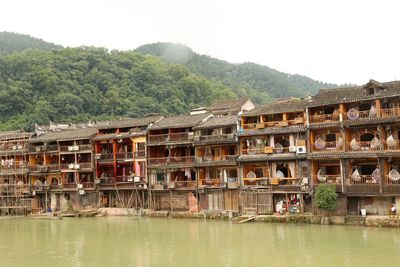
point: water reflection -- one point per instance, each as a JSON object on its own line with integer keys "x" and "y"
{"x": 127, "y": 241}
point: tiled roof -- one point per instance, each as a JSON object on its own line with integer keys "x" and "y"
{"x": 276, "y": 107}
{"x": 274, "y": 130}
{"x": 354, "y": 93}
{"x": 182, "y": 121}
{"x": 82, "y": 133}
{"x": 218, "y": 121}
{"x": 131, "y": 122}
{"x": 14, "y": 134}
{"x": 233, "y": 105}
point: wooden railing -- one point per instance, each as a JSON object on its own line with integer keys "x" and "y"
{"x": 256, "y": 181}
{"x": 262, "y": 150}
{"x": 182, "y": 184}
{"x": 390, "y": 113}
{"x": 395, "y": 145}
{"x": 329, "y": 179}
{"x": 364, "y": 145}
{"x": 179, "y": 136}
{"x": 216, "y": 158}
{"x": 365, "y": 180}
{"x": 105, "y": 156}
{"x": 124, "y": 155}
{"x": 324, "y": 118}
{"x": 140, "y": 153}
{"x": 158, "y": 138}
{"x": 390, "y": 182}
{"x": 217, "y": 137}
{"x": 157, "y": 161}
{"x": 365, "y": 114}
{"x": 210, "y": 182}
{"x": 75, "y": 148}
{"x": 330, "y": 146}
{"x": 185, "y": 159}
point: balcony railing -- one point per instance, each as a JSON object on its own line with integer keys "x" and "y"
{"x": 76, "y": 166}
{"x": 328, "y": 179}
{"x": 157, "y": 161}
{"x": 53, "y": 167}
{"x": 55, "y": 186}
{"x": 390, "y": 113}
{"x": 88, "y": 184}
{"x": 74, "y": 148}
{"x": 365, "y": 114}
{"x": 364, "y": 180}
{"x": 124, "y": 155}
{"x": 266, "y": 150}
{"x": 260, "y": 181}
{"x": 15, "y": 167}
{"x": 179, "y": 136}
{"x": 216, "y": 158}
{"x": 105, "y": 156}
{"x": 140, "y": 153}
{"x": 216, "y": 137}
{"x": 69, "y": 185}
{"x": 210, "y": 182}
{"x": 330, "y": 146}
{"x": 324, "y": 118}
{"x": 182, "y": 184}
{"x": 393, "y": 145}
{"x": 365, "y": 146}
{"x": 185, "y": 159}
{"x": 158, "y": 138}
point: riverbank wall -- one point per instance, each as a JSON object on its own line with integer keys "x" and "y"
{"x": 370, "y": 220}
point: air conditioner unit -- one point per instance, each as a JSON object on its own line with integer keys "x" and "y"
{"x": 19, "y": 147}
{"x": 70, "y": 148}
{"x": 70, "y": 166}
{"x": 197, "y": 138}
{"x": 79, "y": 186}
{"x": 77, "y": 166}
{"x": 130, "y": 179}
{"x": 75, "y": 148}
{"x": 305, "y": 180}
{"x": 81, "y": 192}
{"x": 301, "y": 150}
{"x": 292, "y": 149}
{"x": 98, "y": 156}
{"x": 14, "y": 147}
{"x": 190, "y": 135}
{"x": 136, "y": 179}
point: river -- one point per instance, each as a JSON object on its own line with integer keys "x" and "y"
{"x": 130, "y": 241}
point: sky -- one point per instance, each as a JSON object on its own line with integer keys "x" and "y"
{"x": 341, "y": 41}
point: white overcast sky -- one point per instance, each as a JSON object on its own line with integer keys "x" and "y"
{"x": 341, "y": 41}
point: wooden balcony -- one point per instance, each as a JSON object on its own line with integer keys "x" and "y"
{"x": 366, "y": 185}
{"x": 391, "y": 187}
{"x": 335, "y": 179}
{"x": 324, "y": 118}
{"x": 390, "y": 113}
{"x": 158, "y": 161}
{"x": 139, "y": 154}
{"x": 172, "y": 137}
{"x": 181, "y": 160}
{"x": 256, "y": 182}
{"x": 210, "y": 182}
{"x": 184, "y": 185}
{"x": 267, "y": 124}
{"x": 392, "y": 146}
{"x": 364, "y": 146}
{"x": 209, "y": 159}
{"x": 267, "y": 150}
{"x": 105, "y": 156}
{"x": 362, "y": 115}
{"x": 75, "y": 166}
{"x": 75, "y": 148}
{"x": 215, "y": 138}
{"x": 329, "y": 146}
{"x": 124, "y": 156}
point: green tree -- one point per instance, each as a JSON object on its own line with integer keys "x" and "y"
{"x": 326, "y": 197}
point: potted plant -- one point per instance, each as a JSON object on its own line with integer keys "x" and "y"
{"x": 326, "y": 200}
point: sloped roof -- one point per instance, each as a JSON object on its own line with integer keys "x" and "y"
{"x": 73, "y": 134}
{"x": 131, "y": 122}
{"x": 354, "y": 93}
{"x": 14, "y": 134}
{"x": 182, "y": 121}
{"x": 279, "y": 106}
{"x": 218, "y": 121}
{"x": 228, "y": 105}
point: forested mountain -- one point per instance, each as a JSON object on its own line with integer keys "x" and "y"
{"x": 260, "y": 82}
{"x": 42, "y": 82}
{"x": 78, "y": 84}
{"x": 13, "y": 42}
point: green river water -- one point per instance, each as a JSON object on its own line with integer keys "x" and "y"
{"x": 130, "y": 241}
